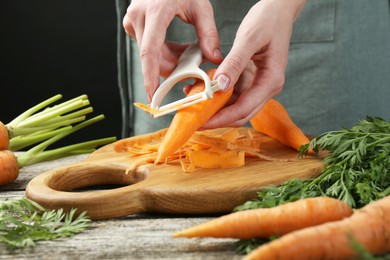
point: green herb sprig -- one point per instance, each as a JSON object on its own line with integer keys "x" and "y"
{"x": 23, "y": 222}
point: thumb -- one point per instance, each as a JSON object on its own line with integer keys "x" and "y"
{"x": 232, "y": 67}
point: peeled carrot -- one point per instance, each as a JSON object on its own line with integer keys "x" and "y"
{"x": 188, "y": 120}
{"x": 4, "y": 137}
{"x": 9, "y": 168}
{"x": 266, "y": 222}
{"x": 274, "y": 121}
{"x": 369, "y": 226}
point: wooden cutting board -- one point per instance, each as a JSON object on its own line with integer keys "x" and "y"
{"x": 164, "y": 188}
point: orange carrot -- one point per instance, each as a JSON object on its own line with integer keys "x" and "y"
{"x": 274, "y": 121}
{"x": 4, "y": 137}
{"x": 217, "y": 158}
{"x": 9, "y": 168}
{"x": 369, "y": 227}
{"x": 188, "y": 120}
{"x": 266, "y": 222}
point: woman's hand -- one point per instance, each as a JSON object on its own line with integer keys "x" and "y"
{"x": 257, "y": 62}
{"x": 147, "y": 21}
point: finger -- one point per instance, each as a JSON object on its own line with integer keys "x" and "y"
{"x": 244, "y": 82}
{"x": 134, "y": 18}
{"x": 232, "y": 66}
{"x": 156, "y": 24}
{"x": 243, "y": 109}
{"x": 235, "y": 115}
{"x": 127, "y": 25}
{"x": 207, "y": 33}
{"x": 169, "y": 57}
{"x": 168, "y": 61}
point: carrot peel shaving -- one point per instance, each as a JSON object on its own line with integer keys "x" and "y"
{"x": 218, "y": 148}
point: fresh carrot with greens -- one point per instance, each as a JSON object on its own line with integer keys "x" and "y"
{"x": 42, "y": 121}
{"x": 274, "y": 121}
{"x": 45, "y": 125}
{"x": 266, "y": 222}
{"x": 11, "y": 164}
{"x": 368, "y": 227}
{"x": 188, "y": 120}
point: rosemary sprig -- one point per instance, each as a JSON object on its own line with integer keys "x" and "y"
{"x": 23, "y": 222}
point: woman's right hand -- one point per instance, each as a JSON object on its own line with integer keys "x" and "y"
{"x": 146, "y": 21}
{"x": 257, "y": 62}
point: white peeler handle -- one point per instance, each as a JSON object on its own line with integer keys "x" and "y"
{"x": 188, "y": 67}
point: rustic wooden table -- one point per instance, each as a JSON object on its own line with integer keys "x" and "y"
{"x": 141, "y": 236}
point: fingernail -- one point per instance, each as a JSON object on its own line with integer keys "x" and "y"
{"x": 224, "y": 81}
{"x": 217, "y": 53}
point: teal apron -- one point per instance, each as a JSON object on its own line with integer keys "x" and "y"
{"x": 338, "y": 70}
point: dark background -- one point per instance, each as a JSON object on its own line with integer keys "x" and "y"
{"x": 50, "y": 47}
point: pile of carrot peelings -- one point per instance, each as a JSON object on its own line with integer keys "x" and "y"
{"x": 218, "y": 148}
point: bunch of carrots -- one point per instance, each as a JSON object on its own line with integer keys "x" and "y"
{"x": 41, "y": 126}
{"x": 213, "y": 149}
{"x": 311, "y": 228}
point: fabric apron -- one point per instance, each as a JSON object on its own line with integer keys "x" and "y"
{"x": 338, "y": 70}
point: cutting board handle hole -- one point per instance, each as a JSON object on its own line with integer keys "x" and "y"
{"x": 97, "y": 177}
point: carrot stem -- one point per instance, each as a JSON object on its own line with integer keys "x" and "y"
{"x": 75, "y": 149}
{"x": 42, "y": 119}
{"x": 46, "y": 126}
{"x": 37, "y": 153}
{"x": 19, "y": 142}
{"x": 32, "y": 110}
{"x": 58, "y": 106}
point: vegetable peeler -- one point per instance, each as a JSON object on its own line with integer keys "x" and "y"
{"x": 188, "y": 67}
